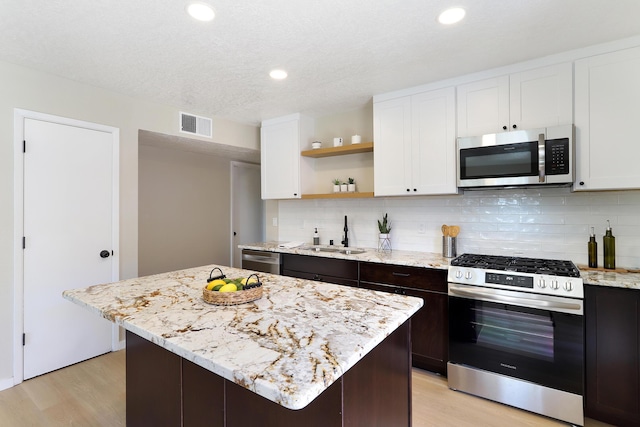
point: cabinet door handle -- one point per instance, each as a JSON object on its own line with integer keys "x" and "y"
{"x": 400, "y": 274}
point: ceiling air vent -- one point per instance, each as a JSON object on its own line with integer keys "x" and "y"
{"x": 196, "y": 125}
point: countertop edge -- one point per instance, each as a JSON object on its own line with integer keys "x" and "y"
{"x": 395, "y": 257}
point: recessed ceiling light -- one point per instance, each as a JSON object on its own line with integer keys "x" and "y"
{"x": 201, "y": 11}
{"x": 278, "y": 74}
{"x": 451, "y": 16}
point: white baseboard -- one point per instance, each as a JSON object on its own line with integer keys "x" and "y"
{"x": 6, "y": 383}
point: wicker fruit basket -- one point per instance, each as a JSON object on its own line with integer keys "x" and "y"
{"x": 251, "y": 292}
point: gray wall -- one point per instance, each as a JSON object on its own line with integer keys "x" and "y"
{"x": 183, "y": 210}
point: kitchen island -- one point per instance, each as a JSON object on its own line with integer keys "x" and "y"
{"x": 305, "y": 353}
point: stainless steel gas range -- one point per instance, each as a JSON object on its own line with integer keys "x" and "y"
{"x": 516, "y": 333}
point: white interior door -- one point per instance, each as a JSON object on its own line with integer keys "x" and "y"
{"x": 247, "y": 208}
{"x": 68, "y": 196}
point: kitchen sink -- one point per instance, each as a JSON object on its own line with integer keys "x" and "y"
{"x": 349, "y": 251}
{"x": 346, "y": 251}
{"x": 321, "y": 249}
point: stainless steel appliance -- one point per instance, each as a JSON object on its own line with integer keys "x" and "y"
{"x": 516, "y": 333}
{"x": 263, "y": 261}
{"x": 520, "y": 158}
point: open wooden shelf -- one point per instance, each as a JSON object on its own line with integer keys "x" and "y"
{"x": 365, "y": 147}
{"x": 354, "y": 195}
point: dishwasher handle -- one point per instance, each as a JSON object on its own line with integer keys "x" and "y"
{"x": 268, "y": 259}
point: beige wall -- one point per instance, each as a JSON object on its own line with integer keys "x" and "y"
{"x": 357, "y": 166}
{"x": 346, "y": 124}
{"x": 183, "y": 210}
{"x": 28, "y": 89}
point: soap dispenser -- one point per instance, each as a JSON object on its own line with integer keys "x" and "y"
{"x": 592, "y": 247}
{"x": 316, "y": 237}
{"x": 609, "y": 243}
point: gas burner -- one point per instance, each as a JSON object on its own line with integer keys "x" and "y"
{"x": 519, "y": 265}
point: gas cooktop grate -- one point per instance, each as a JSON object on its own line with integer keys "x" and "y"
{"x": 519, "y": 265}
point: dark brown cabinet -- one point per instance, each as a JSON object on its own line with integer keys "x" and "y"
{"x": 429, "y": 326}
{"x": 164, "y": 389}
{"x": 612, "y": 326}
{"x": 330, "y": 270}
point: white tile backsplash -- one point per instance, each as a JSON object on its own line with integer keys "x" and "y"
{"x": 545, "y": 222}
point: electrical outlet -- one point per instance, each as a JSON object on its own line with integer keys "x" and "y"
{"x": 274, "y": 221}
{"x": 421, "y": 228}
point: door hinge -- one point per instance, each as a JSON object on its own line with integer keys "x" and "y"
{"x": 24, "y": 339}
{"x": 24, "y": 146}
{"x": 24, "y": 242}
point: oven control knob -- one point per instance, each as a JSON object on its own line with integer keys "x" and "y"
{"x": 554, "y": 284}
{"x": 541, "y": 284}
{"x": 458, "y": 274}
{"x": 467, "y": 275}
{"x": 568, "y": 286}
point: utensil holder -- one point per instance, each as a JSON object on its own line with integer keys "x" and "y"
{"x": 448, "y": 247}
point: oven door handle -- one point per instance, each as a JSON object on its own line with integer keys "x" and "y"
{"x": 566, "y": 307}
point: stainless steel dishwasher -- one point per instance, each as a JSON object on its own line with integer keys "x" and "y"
{"x": 263, "y": 261}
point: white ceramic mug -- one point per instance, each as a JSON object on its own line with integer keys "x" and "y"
{"x": 356, "y": 139}
{"x": 337, "y": 142}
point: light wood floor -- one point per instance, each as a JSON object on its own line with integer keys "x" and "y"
{"x": 92, "y": 393}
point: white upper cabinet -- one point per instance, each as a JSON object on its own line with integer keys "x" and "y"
{"x": 607, "y": 102}
{"x": 392, "y": 152}
{"x": 530, "y": 99}
{"x": 483, "y": 106}
{"x": 281, "y": 140}
{"x": 415, "y": 144}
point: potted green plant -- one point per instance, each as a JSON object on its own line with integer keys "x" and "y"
{"x": 344, "y": 186}
{"x": 336, "y": 185}
{"x": 351, "y": 186}
{"x": 384, "y": 227}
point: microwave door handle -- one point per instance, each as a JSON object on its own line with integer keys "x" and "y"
{"x": 541, "y": 159}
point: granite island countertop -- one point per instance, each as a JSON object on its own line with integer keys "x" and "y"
{"x": 288, "y": 346}
{"x": 629, "y": 279}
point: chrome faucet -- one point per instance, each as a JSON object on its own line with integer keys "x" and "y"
{"x": 345, "y": 242}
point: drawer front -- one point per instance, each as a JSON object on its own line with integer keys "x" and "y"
{"x": 339, "y": 268}
{"x": 405, "y": 276}
{"x": 320, "y": 278}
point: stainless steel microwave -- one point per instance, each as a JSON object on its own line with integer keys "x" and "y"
{"x": 533, "y": 157}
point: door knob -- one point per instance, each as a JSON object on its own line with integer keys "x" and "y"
{"x": 104, "y": 253}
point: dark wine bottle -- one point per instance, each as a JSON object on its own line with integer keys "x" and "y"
{"x": 609, "y": 243}
{"x": 592, "y": 248}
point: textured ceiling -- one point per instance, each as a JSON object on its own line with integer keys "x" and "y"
{"x": 339, "y": 53}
